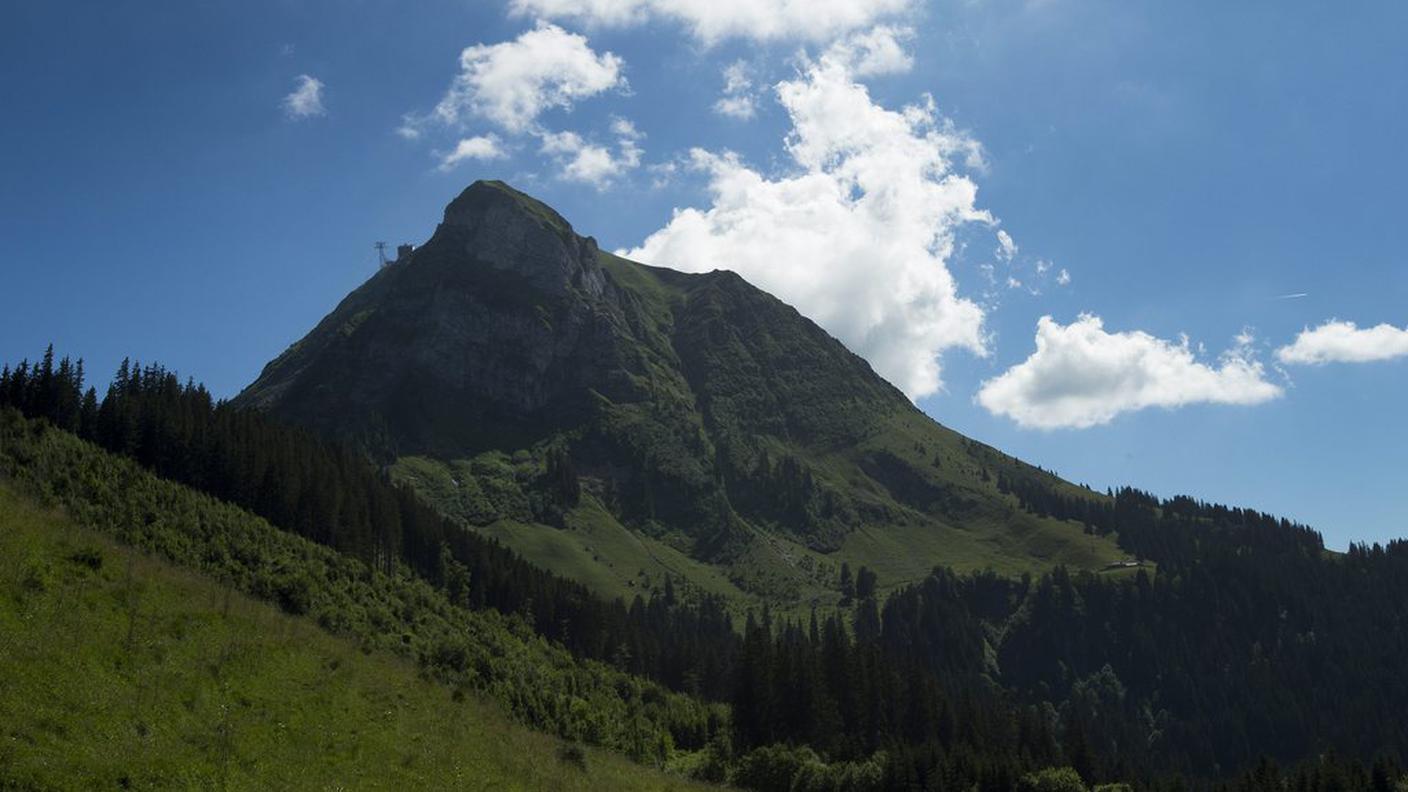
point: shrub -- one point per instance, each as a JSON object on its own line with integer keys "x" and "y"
{"x": 88, "y": 557}
{"x": 776, "y": 768}
{"x": 573, "y": 754}
{"x": 1052, "y": 779}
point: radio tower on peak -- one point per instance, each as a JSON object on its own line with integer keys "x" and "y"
{"x": 381, "y": 253}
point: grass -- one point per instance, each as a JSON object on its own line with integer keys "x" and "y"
{"x": 120, "y": 670}
{"x": 651, "y": 283}
{"x": 595, "y": 549}
{"x": 988, "y": 530}
{"x": 993, "y": 532}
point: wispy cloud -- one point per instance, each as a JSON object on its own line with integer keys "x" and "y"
{"x": 713, "y": 20}
{"x": 880, "y": 50}
{"x": 582, "y": 161}
{"x": 306, "y": 100}
{"x": 738, "y": 100}
{"x": 480, "y": 147}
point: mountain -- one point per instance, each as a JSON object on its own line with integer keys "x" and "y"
{"x": 618, "y": 422}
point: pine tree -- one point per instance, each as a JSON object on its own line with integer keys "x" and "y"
{"x": 848, "y": 586}
{"x": 865, "y": 583}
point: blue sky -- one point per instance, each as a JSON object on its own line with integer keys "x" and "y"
{"x": 168, "y": 192}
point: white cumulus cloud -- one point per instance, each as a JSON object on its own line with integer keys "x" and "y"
{"x": 1081, "y": 376}
{"x": 880, "y": 50}
{"x": 713, "y": 20}
{"x": 479, "y": 147}
{"x": 513, "y": 82}
{"x": 857, "y": 235}
{"x": 1337, "y": 341}
{"x": 306, "y": 99}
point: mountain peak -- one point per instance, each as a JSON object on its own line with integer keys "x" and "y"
{"x": 491, "y": 223}
{"x": 494, "y": 198}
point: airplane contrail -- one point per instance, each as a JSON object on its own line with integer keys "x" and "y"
{"x": 1295, "y": 296}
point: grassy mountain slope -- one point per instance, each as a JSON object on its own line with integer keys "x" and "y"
{"x": 399, "y": 616}
{"x": 121, "y": 670}
{"x": 617, "y": 422}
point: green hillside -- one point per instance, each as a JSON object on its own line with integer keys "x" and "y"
{"x": 118, "y": 670}
{"x": 397, "y": 617}
{"x": 619, "y": 423}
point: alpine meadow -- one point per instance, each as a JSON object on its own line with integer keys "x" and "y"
{"x": 705, "y": 507}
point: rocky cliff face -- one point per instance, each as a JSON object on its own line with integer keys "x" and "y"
{"x": 492, "y": 334}
{"x": 492, "y": 224}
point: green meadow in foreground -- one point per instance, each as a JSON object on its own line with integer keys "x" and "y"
{"x": 118, "y": 670}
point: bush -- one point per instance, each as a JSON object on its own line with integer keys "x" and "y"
{"x": 293, "y": 593}
{"x": 88, "y": 557}
{"x": 1052, "y": 779}
{"x": 713, "y": 761}
{"x": 35, "y": 577}
{"x": 573, "y": 754}
{"x": 774, "y": 768}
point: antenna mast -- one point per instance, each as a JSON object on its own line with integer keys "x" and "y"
{"x": 381, "y": 253}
